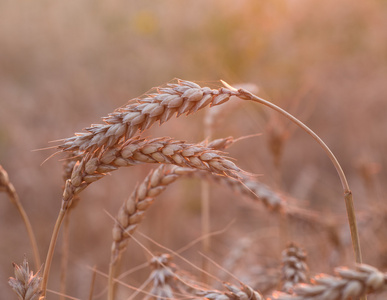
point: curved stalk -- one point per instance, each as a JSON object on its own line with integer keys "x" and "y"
{"x": 111, "y": 283}
{"x": 13, "y": 196}
{"x": 243, "y": 94}
{"x": 15, "y": 199}
{"x": 50, "y": 252}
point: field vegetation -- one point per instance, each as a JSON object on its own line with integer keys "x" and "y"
{"x": 230, "y": 200}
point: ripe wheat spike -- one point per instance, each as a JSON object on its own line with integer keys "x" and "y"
{"x": 184, "y": 97}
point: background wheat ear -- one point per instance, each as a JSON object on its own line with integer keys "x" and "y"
{"x": 348, "y": 284}
{"x": 294, "y": 267}
{"x": 26, "y": 285}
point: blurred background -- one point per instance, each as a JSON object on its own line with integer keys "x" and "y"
{"x": 66, "y": 64}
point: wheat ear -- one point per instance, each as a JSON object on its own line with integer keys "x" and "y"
{"x": 233, "y": 293}
{"x": 184, "y": 97}
{"x": 139, "y": 151}
{"x": 132, "y": 211}
{"x": 7, "y": 186}
{"x": 25, "y": 284}
{"x": 133, "y": 152}
{"x": 272, "y": 200}
{"x": 350, "y": 284}
{"x": 162, "y": 277}
{"x": 188, "y": 97}
{"x": 294, "y": 268}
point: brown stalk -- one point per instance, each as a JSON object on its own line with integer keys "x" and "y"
{"x": 7, "y": 186}
{"x": 68, "y": 166}
{"x": 243, "y": 94}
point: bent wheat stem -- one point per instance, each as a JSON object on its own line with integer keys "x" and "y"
{"x": 51, "y": 249}
{"x": 243, "y": 94}
{"x": 6, "y": 185}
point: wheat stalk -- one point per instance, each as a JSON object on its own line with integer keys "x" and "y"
{"x": 68, "y": 166}
{"x": 112, "y": 145}
{"x": 349, "y": 284}
{"x": 7, "y": 186}
{"x": 243, "y": 94}
{"x": 188, "y": 97}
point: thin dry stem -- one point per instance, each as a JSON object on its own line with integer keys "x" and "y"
{"x": 7, "y": 186}
{"x": 347, "y": 192}
{"x": 68, "y": 166}
{"x": 51, "y": 249}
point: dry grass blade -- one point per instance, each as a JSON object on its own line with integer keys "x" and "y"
{"x": 7, "y": 186}
{"x": 184, "y": 97}
{"x": 350, "y": 284}
{"x": 25, "y": 284}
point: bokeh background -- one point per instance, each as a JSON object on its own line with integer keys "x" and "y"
{"x": 66, "y": 64}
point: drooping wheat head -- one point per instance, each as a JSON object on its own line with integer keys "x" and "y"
{"x": 184, "y": 97}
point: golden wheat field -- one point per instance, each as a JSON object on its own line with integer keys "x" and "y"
{"x": 158, "y": 149}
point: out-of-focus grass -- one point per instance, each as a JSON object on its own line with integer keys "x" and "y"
{"x": 65, "y": 64}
